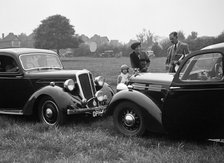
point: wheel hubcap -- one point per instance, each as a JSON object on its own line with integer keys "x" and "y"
{"x": 49, "y": 113}
{"x": 129, "y": 119}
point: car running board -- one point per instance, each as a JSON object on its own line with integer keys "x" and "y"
{"x": 13, "y": 112}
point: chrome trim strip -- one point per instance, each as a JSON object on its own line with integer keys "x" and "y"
{"x": 157, "y": 88}
{"x": 150, "y": 87}
{"x": 12, "y": 112}
{"x": 174, "y": 88}
{"x": 139, "y": 86}
{"x": 196, "y": 89}
{"x": 91, "y": 85}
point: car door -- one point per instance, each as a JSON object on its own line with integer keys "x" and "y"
{"x": 15, "y": 88}
{"x": 195, "y": 103}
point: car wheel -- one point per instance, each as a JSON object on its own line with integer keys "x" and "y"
{"x": 129, "y": 119}
{"x": 49, "y": 113}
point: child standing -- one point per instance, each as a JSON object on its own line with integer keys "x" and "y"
{"x": 124, "y": 76}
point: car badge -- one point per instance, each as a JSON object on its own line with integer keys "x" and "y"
{"x": 94, "y": 103}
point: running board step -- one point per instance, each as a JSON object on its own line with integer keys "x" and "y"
{"x": 13, "y": 112}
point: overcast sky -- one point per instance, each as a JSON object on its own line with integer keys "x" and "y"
{"x": 117, "y": 19}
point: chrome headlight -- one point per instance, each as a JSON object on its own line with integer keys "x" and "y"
{"x": 99, "y": 81}
{"x": 100, "y": 96}
{"x": 69, "y": 85}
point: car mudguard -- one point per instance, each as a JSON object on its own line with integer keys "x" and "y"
{"x": 62, "y": 98}
{"x": 151, "y": 110}
{"x": 108, "y": 91}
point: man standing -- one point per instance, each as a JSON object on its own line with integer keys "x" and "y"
{"x": 139, "y": 60}
{"x": 176, "y": 52}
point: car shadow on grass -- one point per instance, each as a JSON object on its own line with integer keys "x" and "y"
{"x": 181, "y": 141}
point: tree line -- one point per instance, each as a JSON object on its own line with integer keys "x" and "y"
{"x": 194, "y": 42}
{"x": 56, "y": 32}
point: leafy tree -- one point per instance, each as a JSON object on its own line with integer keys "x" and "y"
{"x": 55, "y": 32}
{"x": 165, "y": 43}
{"x": 220, "y": 38}
{"x": 192, "y": 36}
{"x": 83, "y": 50}
{"x": 146, "y": 38}
{"x": 180, "y": 35}
{"x": 157, "y": 49}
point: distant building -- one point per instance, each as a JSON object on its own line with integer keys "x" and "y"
{"x": 99, "y": 40}
{"x": 104, "y": 40}
{"x": 26, "y": 41}
{"x": 10, "y": 41}
{"x": 84, "y": 38}
{"x": 115, "y": 43}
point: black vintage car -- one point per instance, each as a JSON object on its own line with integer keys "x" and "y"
{"x": 33, "y": 82}
{"x": 188, "y": 103}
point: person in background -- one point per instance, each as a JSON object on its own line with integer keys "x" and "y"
{"x": 139, "y": 59}
{"x": 124, "y": 75}
{"x": 176, "y": 52}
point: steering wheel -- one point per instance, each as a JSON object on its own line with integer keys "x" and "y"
{"x": 203, "y": 75}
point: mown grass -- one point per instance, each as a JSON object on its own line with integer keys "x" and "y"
{"x": 108, "y": 67}
{"x": 86, "y": 139}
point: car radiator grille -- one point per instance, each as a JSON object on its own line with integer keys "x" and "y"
{"x": 87, "y": 88}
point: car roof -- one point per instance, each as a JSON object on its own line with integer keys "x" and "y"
{"x": 214, "y": 46}
{"x": 19, "y": 51}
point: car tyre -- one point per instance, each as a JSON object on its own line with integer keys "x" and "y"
{"x": 49, "y": 113}
{"x": 129, "y": 119}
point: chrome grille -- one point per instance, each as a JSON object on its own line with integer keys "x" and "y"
{"x": 86, "y": 85}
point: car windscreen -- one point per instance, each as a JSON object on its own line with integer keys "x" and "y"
{"x": 37, "y": 61}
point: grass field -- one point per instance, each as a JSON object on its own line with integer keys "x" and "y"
{"x": 108, "y": 67}
{"x": 86, "y": 139}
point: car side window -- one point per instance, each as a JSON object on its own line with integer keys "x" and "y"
{"x": 8, "y": 64}
{"x": 203, "y": 67}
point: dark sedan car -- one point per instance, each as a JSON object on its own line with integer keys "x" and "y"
{"x": 189, "y": 103}
{"x": 33, "y": 82}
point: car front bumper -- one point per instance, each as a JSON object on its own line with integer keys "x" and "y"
{"x": 95, "y": 111}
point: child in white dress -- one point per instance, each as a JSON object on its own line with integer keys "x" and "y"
{"x": 124, "y": 75}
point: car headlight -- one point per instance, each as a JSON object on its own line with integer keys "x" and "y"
{"x": 69, "y": 85}
{"x": 121, "y": 86}
{"x": 100, "y": 96}
{"x": 99, "y": 81}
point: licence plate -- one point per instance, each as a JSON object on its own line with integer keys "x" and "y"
{"x": 98, "y": 113}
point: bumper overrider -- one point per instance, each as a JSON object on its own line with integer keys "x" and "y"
{"x": 95, "y": 111}
{"x": 91, "y": 106}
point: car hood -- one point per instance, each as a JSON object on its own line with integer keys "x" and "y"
{"x": 153, "y": 78}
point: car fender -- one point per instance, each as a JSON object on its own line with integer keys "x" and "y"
{"x": 108, "y": 91}
{"x": 62, "y": 98}
{"x": 154, "y": 114}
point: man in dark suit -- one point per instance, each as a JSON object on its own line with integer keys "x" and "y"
{"x": 139, "y": 59}
{"x": 176, "y": 52}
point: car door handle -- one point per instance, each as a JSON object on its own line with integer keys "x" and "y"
{"x": 19, "y": 77}
{"x": 175, "y": 88}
